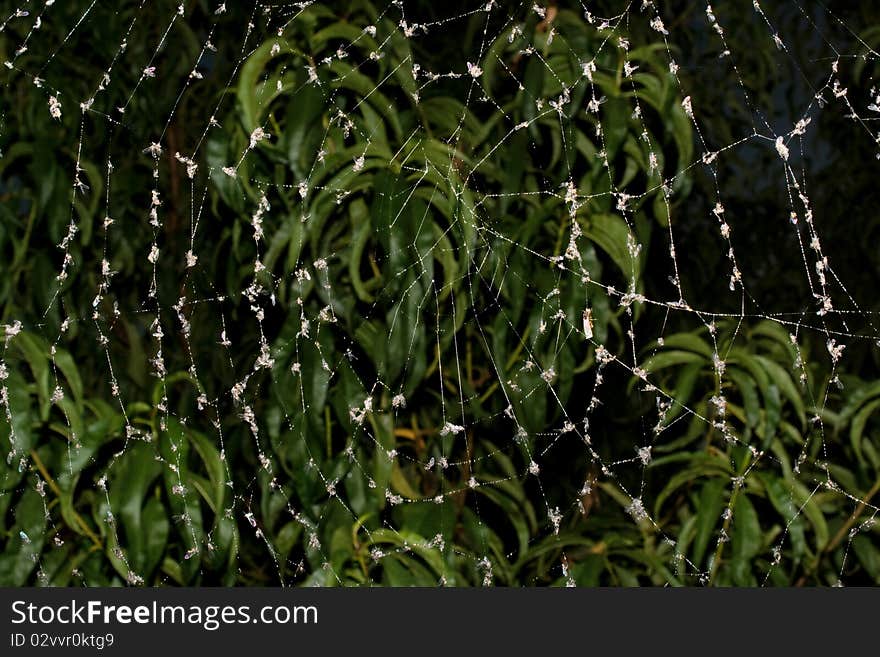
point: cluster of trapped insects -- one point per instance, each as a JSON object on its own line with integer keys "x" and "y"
{"x": 271, "y": 21}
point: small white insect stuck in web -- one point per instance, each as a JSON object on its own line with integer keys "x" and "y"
{"x": 534, "y": 468}
{"x": 637, "y": 510}
{"x": 358, "y": 163}
{"x": 688, "y": 106}
{"x": 257, "y": 136}
{"x": 603, "y": 355}
{"x": 835, "y": 350}
{"x": 588, "y": 69}
{"x": 720, "y": 404}
{"x": 474, "y": 70}
{"x": 264, "y": 360}
{"x": 588, "y": 323}
{"x": 781, "y": 148}
{"x": 12, "y": 330}
{"x": 450, "y": 428}
{"x": 408, "y": 30}
{"x": 54, "y": 107}
{"x": 645, "y": 454}
{"x": 398, "y": 401}
{"x": 514, "y": 33}
{"x": 800, "y": 127}
{"x": 657, "y": 24}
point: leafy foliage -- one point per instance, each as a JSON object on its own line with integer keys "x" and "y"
{"x": 447, "y": 256}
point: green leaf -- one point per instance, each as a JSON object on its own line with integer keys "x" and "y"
{"x": 612, "y": 235}
{"x": 746, "y": 541}
{"x": 711, "y": 502}
{"x": 64, "y": 362}
{"x": 868, "y": 555}
{"x": 857, "y": 426}
{"x": 781, "y": 498}
{"x": 25, "y": 541}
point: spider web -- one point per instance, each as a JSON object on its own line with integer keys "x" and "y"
{"x": 545, "y": 273}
